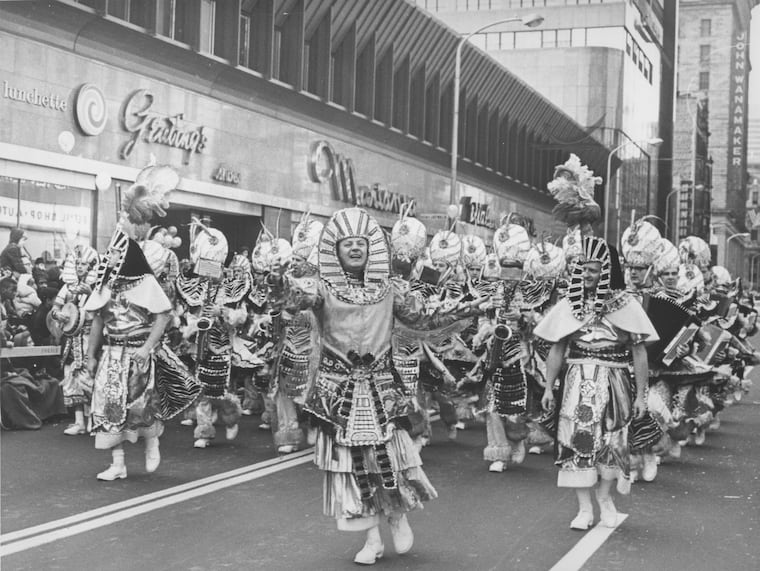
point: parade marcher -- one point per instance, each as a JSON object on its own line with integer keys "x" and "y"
{"x": 506, "y": 388}
{"x": 78, "y": 276}
{"x": 639, "y": 248}
{"x": 543, "y": 268}
{"x": 211, "y": 291}
{"x": 444, "y": 254}
{"x": 604, "y": 329}
{"x": 138, "y": 381}
{"x": 370, "y": 463}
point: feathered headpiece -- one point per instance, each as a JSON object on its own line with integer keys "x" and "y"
{"x": 573, "y": 189}
{"x": 306, "y": 238}
{"x": 267, "y": 249}
{"x": 473, "y": 252}
{"x": 511, "y": 243}
{"x": 408, "y": 237}
{"x": 149, "y": 195}
{"x": 694, "y": 250}
{"x": 207, "y": 243}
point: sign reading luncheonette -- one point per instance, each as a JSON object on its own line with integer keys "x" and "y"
{"x": 325, "y": 165}
{"x": 53, "y": 101}
{"x": 152, "y": 127}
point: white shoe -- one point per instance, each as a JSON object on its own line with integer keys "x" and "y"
{"x": 738, "y": 395}
{"x": 247, "y": 412}
{"x": 497, "y": 466}
{"x": 715, "y": 424}
{"x": 675, "y": 450}
{"x": 699, "y": 437}
{"x": 608, "y": 512}
{"x": 460, "y": 425}
{"x": 201, "y": 443}
{"x": 634, "y": 476}
{"x": 583, "y": 521}
{"x": 112, "y": 473}
{"x": 535, "y": 450}
{"x": 265, "y": 426}
{"x": 152, "y": 459}
{"x": 286, "y": 449}
{"x": 517, "y": 456}
{"x": 369, "y": 554}
{"x": 401, "y": 531}
{"x": 231, "y": 432}
{"x": 186, "y": 422}
{"x": 453, "y": 432}
{"x": 74, "y": 430}
{"x": 649, "y": 473}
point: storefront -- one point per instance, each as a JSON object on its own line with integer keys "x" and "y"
{"x": 78, "y": 131}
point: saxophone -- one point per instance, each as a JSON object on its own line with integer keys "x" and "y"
{"x": 502, "y": 333}
{"x": 205, "y": 321}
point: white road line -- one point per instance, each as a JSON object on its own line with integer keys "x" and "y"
{"x": 281, "y": 463}
{"x": 576, "y": 558}
{"x": 108, "y": 519}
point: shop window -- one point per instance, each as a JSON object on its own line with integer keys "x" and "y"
{"x": 54, "y": 217}
{"x": 628, "y": 43}
{"x": 245, "y": 40}
{"x": 704, "y": 80}
{"x": 705, "y": 28}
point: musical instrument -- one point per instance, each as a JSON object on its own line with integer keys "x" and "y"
{"x": 672, "y": 322}
{"x": 205, "y": 321}
{"x": 719, "y": 340}
{"x": 502, "y": 333}
{"x": 69, "y": 321}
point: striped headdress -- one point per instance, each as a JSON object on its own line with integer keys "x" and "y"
{"x": 355, "y": 223}
{"x": 593, "y": 249}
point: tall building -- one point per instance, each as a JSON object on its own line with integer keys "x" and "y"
{"x": 269, "y": 108}
{"x": 714, "y": 63}
{"x": 607, "y": 64}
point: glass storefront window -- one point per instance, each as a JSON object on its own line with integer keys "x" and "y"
{"x": 54, "y": 217}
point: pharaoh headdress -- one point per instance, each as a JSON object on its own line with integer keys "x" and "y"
{"x": 355, "y": 223}
{"x": 80, "y": 253}
{"x": 593, "y": 250}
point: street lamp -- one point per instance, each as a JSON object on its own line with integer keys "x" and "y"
{"x": 737, "y": 235}
{"x": 529, "y": 20}
{"x": 667, "y": 213}
{"x": 653, "y": 142}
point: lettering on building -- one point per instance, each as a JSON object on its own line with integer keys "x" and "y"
{"x": 476, "y": 213}
{"x": 324, "y": 165}
{"x": 35, "y": 97}
{"x": 151, "y": 127}
{"x": 737, "y": 123}
{"x": 226, "y": 174}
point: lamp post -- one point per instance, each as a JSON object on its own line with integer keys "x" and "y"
{"x": 654, "y": 142}
{"x": 529, "y": 20}
{"x": 667, "y": 213}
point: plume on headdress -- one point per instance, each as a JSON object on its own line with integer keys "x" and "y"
{"x": 573, "y": 189}
{"x": 149, "y": 195}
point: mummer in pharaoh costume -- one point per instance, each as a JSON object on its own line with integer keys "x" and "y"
{"x": 213, "y": 293}
{"x": 604, "y": 330}
{"x": 506, "y": 389}
{"x": 296, "y": 360}
{"x": 138, "y": 381}
{"x": 371, "y": 466}
{"x": 599, "y": 332}
{"x": 78, "y": 277}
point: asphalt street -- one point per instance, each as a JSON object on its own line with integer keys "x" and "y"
{"x": 235, "y": 506}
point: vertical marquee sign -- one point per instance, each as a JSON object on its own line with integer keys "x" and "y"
{"x": 737, "y": 117}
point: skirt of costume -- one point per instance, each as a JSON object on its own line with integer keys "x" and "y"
{"x": 129, "y": 402}
{"x": 77, "y": 382}
{"x": 592, "y": 428}
{"x": 376, "y": 490}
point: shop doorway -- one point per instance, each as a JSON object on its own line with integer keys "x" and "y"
{"x": 241, "y": 230}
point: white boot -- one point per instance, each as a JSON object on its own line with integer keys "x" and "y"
{"x": 401, "y": 531}
{"x": 373, "y": 548}
{"x": 117, "y": 470}
{"x": 497, "y": 466}
{"x": 152, "y": 455}
{"x": 231, "y": 432}
{"x": 649, "y": 472}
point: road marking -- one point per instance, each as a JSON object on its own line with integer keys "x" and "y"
{"x": 582, "y": 551}
{"x": 52, "y": 531}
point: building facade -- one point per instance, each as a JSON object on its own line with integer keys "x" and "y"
{"x": 268, "y": 108}
{"x": 606, "y": 64}
{"x": 714, "y": 62}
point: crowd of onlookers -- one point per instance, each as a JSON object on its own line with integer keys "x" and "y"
{"x": 28, "y": 289}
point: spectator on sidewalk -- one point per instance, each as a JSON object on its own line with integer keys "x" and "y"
{"x": 11, "y": 258}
